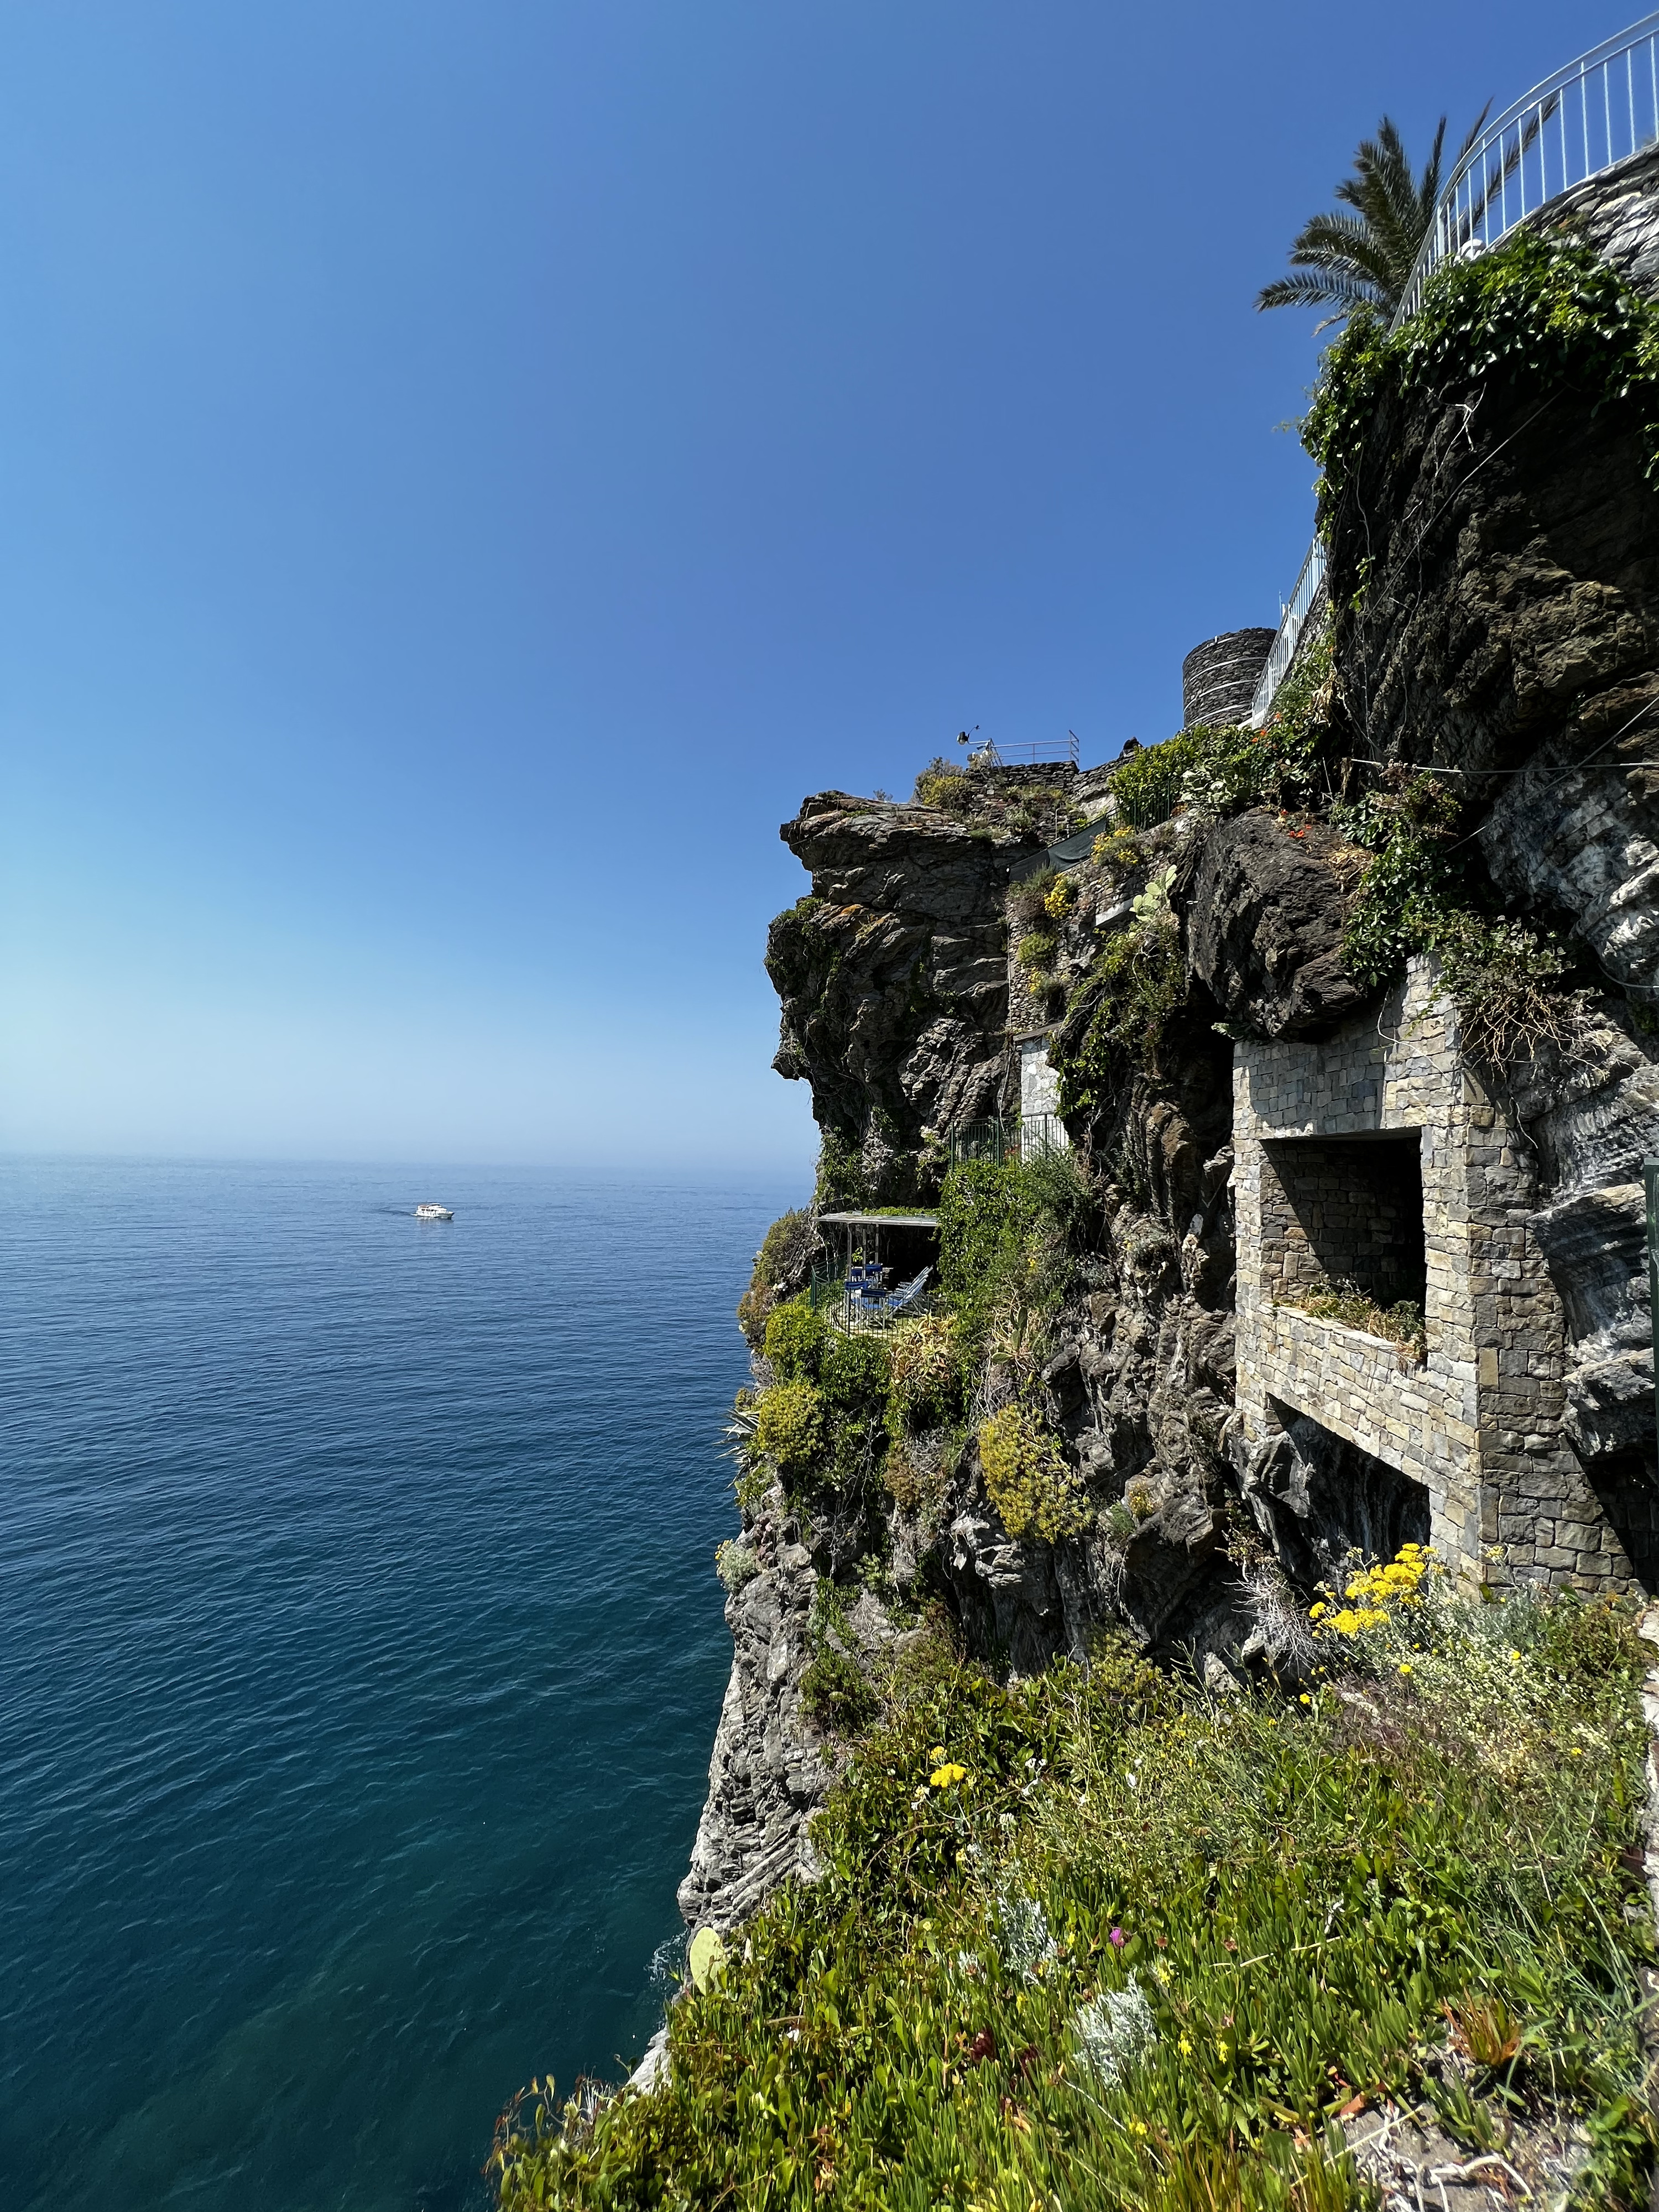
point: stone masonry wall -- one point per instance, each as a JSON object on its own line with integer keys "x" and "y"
{"x": 1480, "y": 1424}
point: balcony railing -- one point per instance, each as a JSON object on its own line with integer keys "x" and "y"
{"x": 1595, "y": 112}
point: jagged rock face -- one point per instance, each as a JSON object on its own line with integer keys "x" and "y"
{"x": 1504, "y": 553}
{"x": 893, "y": 979}
{"x": 1505, "y": 557}
{"x": 1508, "y": 628}
{"x": 1261, "y": 906}
{"x": 768, "y": 1768}
{"x": 1594, "y": 1124}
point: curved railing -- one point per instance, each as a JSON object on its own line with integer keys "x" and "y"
{"x": 1595, "y": 112}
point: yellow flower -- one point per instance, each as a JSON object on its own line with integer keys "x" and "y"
{"x": 937, "y": 1754}
{"x": 1405, "y": 1666}
{"x": 943, "y": 1777}
{"x": 1575, "y": 1753}
{"x": 1186, "y": 2046}
{"x": 1223, "y": 2050}
{"x": 1137, "y": 2127}
{"x": 1515, "y": 1658}
{"x": 1305, "y": 1698}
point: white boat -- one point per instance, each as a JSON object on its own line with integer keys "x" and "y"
{"x": 434, "y": 1213}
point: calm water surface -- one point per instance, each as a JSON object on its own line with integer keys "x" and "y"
{"x": 361, "y": 1658}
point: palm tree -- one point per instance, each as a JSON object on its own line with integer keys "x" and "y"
{"x": 1365, "y": 259}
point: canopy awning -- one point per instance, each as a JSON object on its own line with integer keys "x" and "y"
{"x": 883, "y": 1220}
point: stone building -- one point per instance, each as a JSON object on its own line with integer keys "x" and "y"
{"x": 1374, "y": 1158}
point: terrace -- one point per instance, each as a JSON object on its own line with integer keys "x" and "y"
{"x": 888, "y": 1260}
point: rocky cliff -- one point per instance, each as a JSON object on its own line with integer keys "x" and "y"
{"x": 1464, "y": 760}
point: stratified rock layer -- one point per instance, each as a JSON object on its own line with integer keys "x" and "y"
{"x": 893, "y": 979}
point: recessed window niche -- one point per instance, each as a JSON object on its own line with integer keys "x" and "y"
{"x": 1344, "y": 1209}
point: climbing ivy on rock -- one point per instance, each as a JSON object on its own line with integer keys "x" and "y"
{"x": 1545, "y": 313}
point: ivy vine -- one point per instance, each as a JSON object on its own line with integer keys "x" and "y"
{"x": 1544, "y": 310}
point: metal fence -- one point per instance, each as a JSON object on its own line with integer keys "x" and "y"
{"x": 1006, "y": 1140}
{"x": 1595, "y": 111}
{"x": 1038, "y": 752}
{"x": 1292, "y": 621}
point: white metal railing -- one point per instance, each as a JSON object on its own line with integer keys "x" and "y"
{"x": 1291, "y": 622}
{"x": 1594, "y": 112}
{"x": 1597, "y": 111}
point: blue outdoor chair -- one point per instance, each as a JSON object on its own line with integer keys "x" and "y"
{"x": 905, "y": 1294}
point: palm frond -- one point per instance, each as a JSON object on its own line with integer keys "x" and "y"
{"x": 1473, "y": 133}
{"x": 1321, "y": 289}
{"x": 1500, "y": 171}
{"x": 1342, "y": 242}
{"x": 1374, "y": 249}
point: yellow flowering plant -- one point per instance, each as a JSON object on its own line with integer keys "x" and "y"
{"x": 1373, "y": 1593}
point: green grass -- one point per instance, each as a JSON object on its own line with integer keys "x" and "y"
{"x": 1153, "y": 1939}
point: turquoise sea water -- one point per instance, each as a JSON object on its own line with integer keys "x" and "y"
{"x": 361, "y": 1658}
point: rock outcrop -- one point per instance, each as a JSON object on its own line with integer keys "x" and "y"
{"x": 1499, "y": 562}
{"x": 1261, "y": 909}
{"x": 769, "y": 1768}
{"x": 893, "y": 977}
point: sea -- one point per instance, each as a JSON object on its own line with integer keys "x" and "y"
{"x": 361, "y": 1654}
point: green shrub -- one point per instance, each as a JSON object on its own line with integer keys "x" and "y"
{"x": 1118, "y": 849}
{"x": 735, "y": 1564}
{"x": 841, "y": 1174}
{"x": 1298, "y": 721}
{"x": 1026, "y": 1477}
{"x": 1406, "y": 891}
{"x": 1538, "y": 313}
{"x": 835, "y": 1693}
{"x": 834, "y": 1690}
{"x": 796, "y": 1340}
{"x": 789, "y": 1427}
{"x": 944, "y": 786}
{"x": 1506, "y": 980}
{"x": 1121, "y": 1015}
{"x": 984, "y": 1210}
{"x": 1039, "y": 948}
{"x": 1146, "y": 788}
{"x": 785, "y": 1249}
{"x": 1350, "y": 1306}
{"x": 1121, "y": 1523}
{"x": 1507, "y": 983}
{"x": 1028, "y": 903}
{"x": 855, "y": 1374}
{"x": 1005, "y": 1250}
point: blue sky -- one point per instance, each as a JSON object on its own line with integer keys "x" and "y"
{"x": 466, "y": 472}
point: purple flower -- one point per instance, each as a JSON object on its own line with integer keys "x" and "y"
{"x": 1117, "y": 1939}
